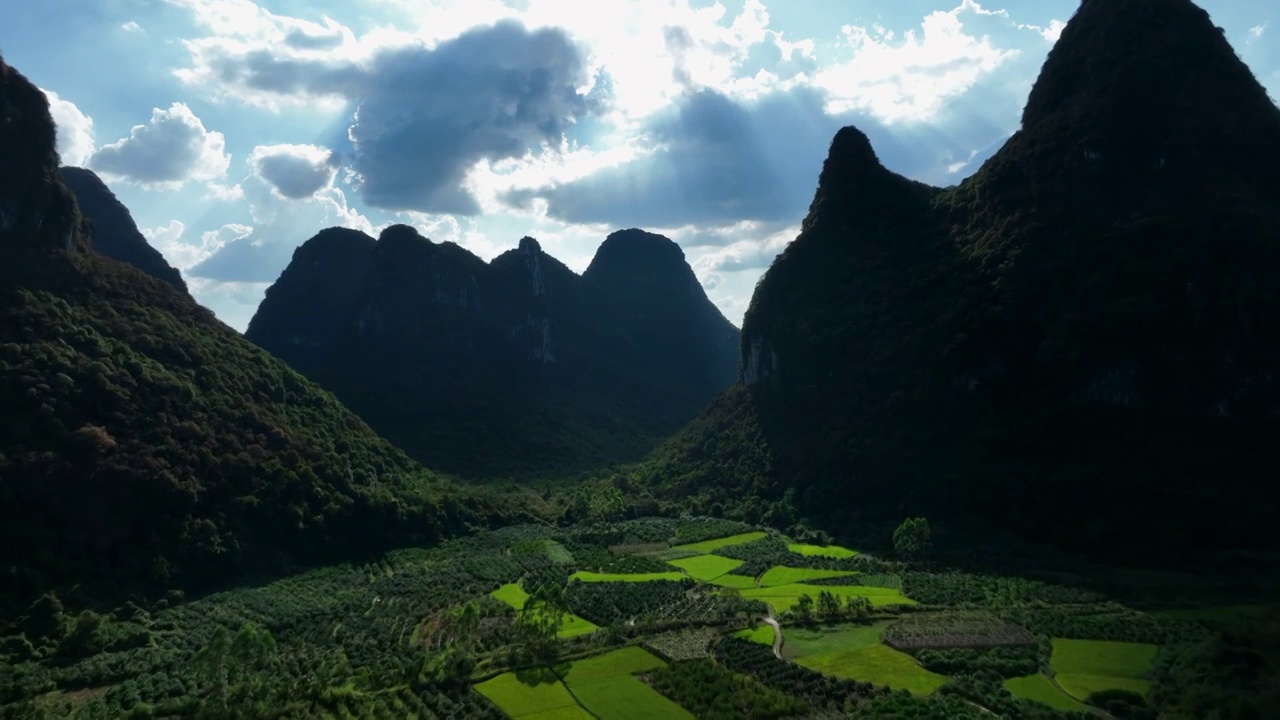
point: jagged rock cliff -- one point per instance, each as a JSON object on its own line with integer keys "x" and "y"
{"x": 112, "y": 231}
{"x": 513, "y": 367}
{"x": 1079, "y": 342}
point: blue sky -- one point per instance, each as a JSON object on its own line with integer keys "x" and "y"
{"x": 236, "y": 129}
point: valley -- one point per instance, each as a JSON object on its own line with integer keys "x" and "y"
{"x": 652, "y": 617}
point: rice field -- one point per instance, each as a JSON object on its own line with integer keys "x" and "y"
{"x": 706, "y": 567}
{"x": 740, "y": 582}
{"x": 1084, "y": 667}
{"x": 603, "y": 687}
{"x": 572, "y": 626}
{"x": 1041, "y": 689}
{"x": 588, "y": 576}
{"x": 785, "y": 597}
{"x": 707, "y": 546}
{"x": 803, "y": 642}
{"x": 782, "y": 575}
{"x": 879, "y": 664}
{"x": 831, "y": 551}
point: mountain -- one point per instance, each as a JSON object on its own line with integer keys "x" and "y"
{"x": 1078, "y": 343}
{"x": 144, "y": 445}
{"x": 112, "y": 230}
{"x": 512, "y": 367}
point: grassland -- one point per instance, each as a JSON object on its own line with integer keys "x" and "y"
{"x": 831, "y": 551}
{"x": 588, "y": 576}
{"x": 572, "y": 625}
{"x": 707, "y": 546}
{"x": 1084, "y": 667}
{"x": 782, "y": 575}
{"x": 706, "y": 567}
{"x": 1040, "y": 688}
{"x": 785, "y": 597}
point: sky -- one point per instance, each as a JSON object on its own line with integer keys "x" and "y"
{"x": 234, "y": 130}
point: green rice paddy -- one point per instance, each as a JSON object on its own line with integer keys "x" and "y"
{"x": 1041, "y": 689}
{"x": 572, "y": 625}
{"x": 1084, "y": 667}
{"x": 879, "y": 664}
{"x": 707, "y": 546}
{"x": 831, "y": 551}
{"x": 588, "y": 576}
{"x": 602, "y": 687}
{"x": 781, "y": 575}
{"x": 706, "y": 567}
{"x": 784, "y": 597}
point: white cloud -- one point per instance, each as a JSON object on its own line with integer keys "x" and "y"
{"x": 75, "y": 130}
{"x": 911, "y": 80}
{"x": 294, "y": 171}
{"x": 168, "y": 239}
{"x": 1257, "y": 30}
{"x": 223, "y": 193}
{"x": 131, "y": 26}
{"x": 172, "y": 148}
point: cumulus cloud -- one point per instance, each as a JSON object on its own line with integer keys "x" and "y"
{"x": 172, "y": 148}
{"x": 295, "y": 171}
{"x": 131, "y": 26}
{"x": 75, "y": 130}
{"x": 170, "y": 241}
{"x": 425, "y": 115}
{"x": 258, "y": 253}
{"x": 913, "y": 78}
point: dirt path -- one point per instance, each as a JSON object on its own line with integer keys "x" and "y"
{"x": 777, "y": 633}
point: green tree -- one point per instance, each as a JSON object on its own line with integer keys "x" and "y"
{"x": 829, "y": 605}
{"x": 804, "y": 607}
{"x": 913, "y": 538}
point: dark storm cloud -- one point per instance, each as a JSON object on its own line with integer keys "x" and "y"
{"x": 247, "y": 259}
{"x": 303, "y": 40}
{"x": 295, "y": 172}
{"x": 424, "y": 116}
{"x": 726, "y": 161}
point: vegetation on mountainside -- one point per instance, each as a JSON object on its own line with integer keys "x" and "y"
{"x": 416, "y": 632}
{"x": 147, "y": 447}
{"x": 112, "y": 232}
{"x": 1084, "y": 328}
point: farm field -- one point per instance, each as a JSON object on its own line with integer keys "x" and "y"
{"x": 784, "y": 597}
{"x": 706, "y": 567}
{"x": 515, "y": 596}
{"x": 781, "y": 575}
{"x": 875, "y": 663}
{"x": 588, "y": 576}
{"x": 1040, "y": 688}
{"x": 803, "y": 642}
{"x": 740, "y": 582}
{"x": 831, "y": 551}
{"x": 708, "y": 546}
{"x": 1084, "y": 667}
{"x": 625, "y": 631}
